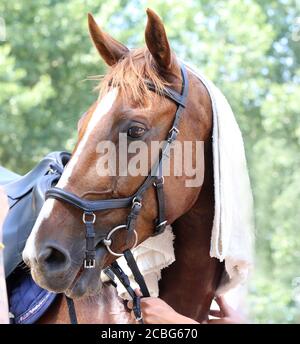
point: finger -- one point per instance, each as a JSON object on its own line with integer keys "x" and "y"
{"x": 224, "y": 307}
{"x": 215, "y": 313}
{"x": 138, "y": 292}
{"x": 133, "y": 318}
{"x": 129, "y": 304}
{"x": 218, "y": 321}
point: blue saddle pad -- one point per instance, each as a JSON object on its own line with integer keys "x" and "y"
{"x": 27, "y": 301}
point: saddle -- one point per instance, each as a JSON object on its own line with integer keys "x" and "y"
{"x": 26, "y": 195}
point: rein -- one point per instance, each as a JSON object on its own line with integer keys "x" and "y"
{"x": 90, "y": 207}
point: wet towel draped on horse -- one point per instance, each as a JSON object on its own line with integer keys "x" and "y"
{"x": 232, "y": 231}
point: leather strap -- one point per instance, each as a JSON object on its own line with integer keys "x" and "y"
{"x": 88, "y": 205}
{"x": 90, "y": 253}
{"x": 123, "y": 278}
{"x": 109, "y": 273}
{"x": 135, "y": 210}
{"x": 161, "y": 219}
{"x": 71, "y": 310}
{"x": 139, "y": 278}
{"x": 167, "y": 92}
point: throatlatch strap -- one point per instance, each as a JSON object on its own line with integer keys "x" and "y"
{"x": 136, "y": 273}
{"x": 72, "y": 312}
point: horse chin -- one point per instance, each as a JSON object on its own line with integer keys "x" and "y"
{"x": 86, "y": 283}
{"x": 56, "y": 285}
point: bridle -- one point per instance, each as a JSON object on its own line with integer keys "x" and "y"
{"x": 154, "y": 179}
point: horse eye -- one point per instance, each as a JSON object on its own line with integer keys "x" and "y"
{"x": 136, "y": 132}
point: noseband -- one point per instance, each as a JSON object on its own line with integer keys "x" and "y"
{"x": 154, "y": 179}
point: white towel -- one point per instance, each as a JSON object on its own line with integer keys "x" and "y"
{"x": 233, "y": 230}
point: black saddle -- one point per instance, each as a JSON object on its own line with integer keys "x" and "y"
{"x": 26, "y": 195}
{"x": 7, "y": 176}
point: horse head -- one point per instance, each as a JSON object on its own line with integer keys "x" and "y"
{"x": 127, "y": 118}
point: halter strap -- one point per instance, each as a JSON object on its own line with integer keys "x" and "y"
{"x": 167, "y": 92}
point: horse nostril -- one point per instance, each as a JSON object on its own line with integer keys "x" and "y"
{"x": 54, "y": 258}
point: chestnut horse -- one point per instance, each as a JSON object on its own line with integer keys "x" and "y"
{"x": 56, "y": 246}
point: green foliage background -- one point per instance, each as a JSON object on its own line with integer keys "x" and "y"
{"x": 249, "y": 48}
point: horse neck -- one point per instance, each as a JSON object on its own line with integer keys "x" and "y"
{"x": 189, "y": 284}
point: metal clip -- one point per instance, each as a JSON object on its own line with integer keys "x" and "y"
{"x": 85, "y": 220}
{"x": 174, "y": 129}
{"x": 140, "y": 318}
{"x": 162, "y": 181}
{"x": 89, "y": 263}
{"x": 173, "y": 134}
{"x": 136, "y": 202}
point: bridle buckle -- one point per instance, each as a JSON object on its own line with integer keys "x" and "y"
{"x": 173, "y": 134}
{"x": 136, "y": 202}
{"x": 160, "y": 181}
{"x": 174, "y": 129}
{"x": 89, "y": 263}
{"x": 86, "y": 220}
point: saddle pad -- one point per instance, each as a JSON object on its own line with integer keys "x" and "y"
{"x": 27, "y": 301}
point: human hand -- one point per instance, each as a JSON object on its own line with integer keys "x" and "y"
{"x": 157, "y": 311}
{"x": 225, "y": 315}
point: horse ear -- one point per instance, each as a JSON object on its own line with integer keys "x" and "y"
{"x": 109, "y": 49}
{"x": 157, "y": 41}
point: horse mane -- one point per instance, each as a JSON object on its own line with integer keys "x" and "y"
{"x": 129, "y": 75}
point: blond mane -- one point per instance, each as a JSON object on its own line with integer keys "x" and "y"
{"x": 129, "y": 75}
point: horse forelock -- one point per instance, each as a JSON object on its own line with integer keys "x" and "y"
{"x": 129, "y": 76}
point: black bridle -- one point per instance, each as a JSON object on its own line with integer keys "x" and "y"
{"x": 154, "y": 179}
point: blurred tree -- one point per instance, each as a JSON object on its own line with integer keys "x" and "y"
{"x": 247, "y": 47}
